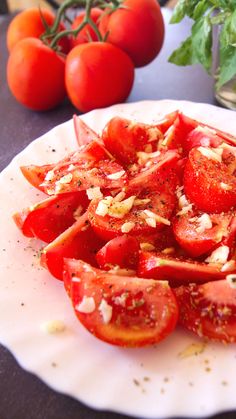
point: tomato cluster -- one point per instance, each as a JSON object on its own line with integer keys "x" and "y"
{"x": 141, "y": 226}
{"x": 94, "y": 67}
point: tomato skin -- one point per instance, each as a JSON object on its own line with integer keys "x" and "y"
{"x": 28, "y": 24}
{"x": 29, "y": 78}
{"x": 178, "y": 271}
{"x": 49, "y": 218}
{"x": 209, "y": 310}
{"x": 121, "y": 251}
{"x": 202, "y": 183}
{"x": 78, "y": 241}
{"x": 35, "y": 174}
{"x": 87, "y": 33}
{"x": 98, "y": 74}
{"x": 136, "y": 136}
{"x": 137, "y": 28}
{"x": 197, "y": 243}
{"x": 147, "y": 314}
{"x": 84, "y": 134}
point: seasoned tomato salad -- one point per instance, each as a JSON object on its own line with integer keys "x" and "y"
{"x": 140, "y": 224}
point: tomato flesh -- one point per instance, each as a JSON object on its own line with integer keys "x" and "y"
{"x": 121, "y": 251}
{"x": 209, "y": 310}
{"x": 137, "y": 312}
{"x": 177, "y": 270}
{"x": 204, "y": 183}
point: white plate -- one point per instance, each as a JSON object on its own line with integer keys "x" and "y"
{"x": 154, "y": 382}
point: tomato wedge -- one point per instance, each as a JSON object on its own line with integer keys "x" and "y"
{"x": 78, "y": 241}
{"x": 133, "y": 212}
{"x": 123, "y": 311}
{"x": 209, "y": 310}
{"x": 84, "y": 134}
{"x": 208, "y": 183}
{"x": 36, "y": 174}
{"x": 49, "y": 218}
{"x": 137, "y": 137}
{"x": 177, "y": 270}
{"x": 198, "y": 233}
{"x": 121, "y": 251}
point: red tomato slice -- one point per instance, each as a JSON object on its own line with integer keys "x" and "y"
{"x": 84, "y": 134}
{"x": 155, "y": 171}
{"x": 159, "y": 202}
{"x": 121, "y": 251}
{"x": 208, "y": 183}
{"x": 197, "y": 240}
{"x": 123, "y": 311}
{"x": 78, "y": 241}
{"x": 164, "y": 124}
{"x": 36, "y": 174}
{"x": 201, "y": 136}
{"x": 49, "y": 218}
{"x": 177, "y": 133}
{"x": 209, "y": 310}
{"x": 84, "y": 169}
{"x": 124, "y": 138}
{"x": 176, "y": 270}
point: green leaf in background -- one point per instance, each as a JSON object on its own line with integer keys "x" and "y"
{"x": 183, "y": 55}
{"x": 179, "y": 12}
{"x": 200, "y": 9}
{"x": 202, "y": 42}
{"x": 227, "y": 65}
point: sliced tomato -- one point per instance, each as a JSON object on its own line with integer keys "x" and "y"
{"x": 78, "y": 241}
{"x": 159, "y": 202}
{"x": 201, "y": 136}
{"x": 208, "y": 183}
{"x": 123, "y": 311}
{"x": 84, "y": 134}
{"x": 194, "y": 238}
{"x": 49, "y": 218}
{"x": 162, "y": 169}
{"x": 121, "y": 251}
{"x": 209, "y": 310}
{"x": 177, "y": 133}
{"x": 124, "y": 138}
{"x": 177, "y": 270}
{"x": 36, "y": 174}
{"x": 164, "y": 124}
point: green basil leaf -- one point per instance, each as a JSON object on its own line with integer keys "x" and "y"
{"x": 200, "y": 9}
{"x": 227, "y": 68}
{"x": 220, "y": 18}
{"x": 179, "y": 11}
{"x": 202, "y": 42}
{"x": 183, "y": 54}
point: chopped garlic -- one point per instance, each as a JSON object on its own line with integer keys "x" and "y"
{"x": 210, "y": 153}
{"x": 229, "y": 266}
{"x": 141, "y": 201}
{"x": 231, "y": 279}
{"x": 87, "y": 305}
{"x": 119, "y": 197}
{"x": 120, "y": 300}
{"x": 71, "y": 167}
{"x": 225, "y": 186}
{"x": 154, "y": 134}
{"x": 151, "y": 222}
{"x": 147, "y": 247}
{"x": 193, "y": 349}
{"x": 143, "y": 157}
{"x": 179, "y": 191}
{"x": 120, "y": 209}
{"x": 117, "y": 175}
{"x": 49, "y": 176}
{"x": 220, "y": 255}
{"x": 148, "y": 148}
{"x": 157, "y": 217}
{"x": 168, "y": 250}
{"x": 66, "y": 179}
{"x": 185, "y": 210}
{"x": 204, "y": 222}
{"x": 53, "y": 327}
{"x": 127, "y": 227}
{"x": 94, "y": 193}
{"x": 205, "y": 130}
{"x": 75, "y": 279}
{"x": 183, "y": 202}
{"x": 103, "y": 205}
{"x": 106, "y": 311}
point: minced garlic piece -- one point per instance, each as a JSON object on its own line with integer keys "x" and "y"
{"x": 147, "y": 247}
{"x": 229, "y": 266}
{"x": 156, "y": 217}
{"x": 231, "y": 279}
{"x": 94, "y": 193}
{"x": 127, "y": 227}
{"x": 87, "y": 305}
{"x": 106, "y": 311}
{"x": 220, "y": 255}
{"x": 225, "y": 186}
{"x": 66, "y": 179}
{"x": 204, "y": 222}
{"x": 117, "y": 175}
{"x": 210, "y": 153}
{"x": 53, "y": 327}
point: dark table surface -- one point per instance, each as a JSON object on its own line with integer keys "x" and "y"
{"x": 22, "y": 395}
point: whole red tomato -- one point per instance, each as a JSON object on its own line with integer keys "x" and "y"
{"x": 35, "y": 75}
{"x": 29, "y": 24}
{"x": 98, "y": 74}
{"x": 137, "y": 28}
{"x": 87, "y": 33}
